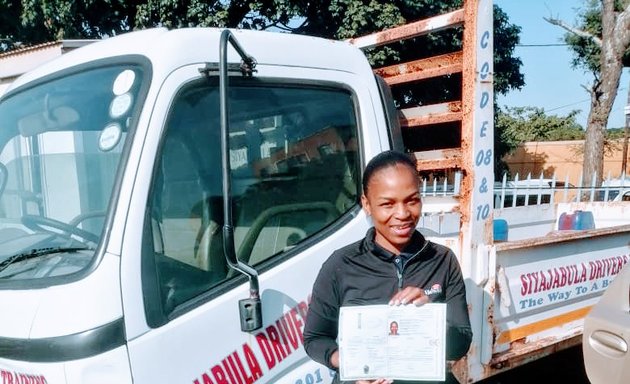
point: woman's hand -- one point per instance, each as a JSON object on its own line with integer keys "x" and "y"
{"x": 410, "y": 295}
{"x": 334, "y": 359}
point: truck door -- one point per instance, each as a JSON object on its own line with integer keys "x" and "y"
{"x": 295, "y": 168}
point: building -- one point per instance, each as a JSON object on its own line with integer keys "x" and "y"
{"x": 18, "y": 61}
{"x": 564, "y": 158}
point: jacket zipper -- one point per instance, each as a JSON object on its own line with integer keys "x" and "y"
{"x": 399, "y": 272}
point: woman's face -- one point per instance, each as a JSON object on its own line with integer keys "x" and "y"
{"x": 393, "y": 201}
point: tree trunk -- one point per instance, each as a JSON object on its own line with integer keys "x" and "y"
{"x": 614, "y": 43}
{"x": 602, "y": 98}
{"x": 626, "y": 137}
{"x": 594, "y": 143}
{"x": 624, "y": 151}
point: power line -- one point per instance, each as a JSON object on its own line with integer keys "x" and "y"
{"x": 541, "y": 45}
{"x": 566, "y": 105}
{"x": 579, "y": 102}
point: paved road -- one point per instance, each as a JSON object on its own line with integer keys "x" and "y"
{"x": 563, "y": 367}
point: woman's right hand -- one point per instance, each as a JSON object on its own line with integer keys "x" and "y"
{"x": 410, "y": 295}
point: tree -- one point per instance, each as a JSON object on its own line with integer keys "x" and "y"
{"x": 600, "y": 43}
{"x": 26, "y": 22}
{"x": 46, "y": 20}
{"x": 507, "y": 78}
{"x": 533, "y": 124}
{"x": 520, "y": 124}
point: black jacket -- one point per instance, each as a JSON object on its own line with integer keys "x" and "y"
{"x": 363, "y": 273}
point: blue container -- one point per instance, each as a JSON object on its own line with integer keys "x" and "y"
{"x": 500, "y": 230}
{"x": 584, "y": 220}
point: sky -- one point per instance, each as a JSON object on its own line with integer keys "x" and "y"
{"x": 550, "y": 81}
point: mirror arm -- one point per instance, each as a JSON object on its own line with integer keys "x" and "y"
{"x": 250, "y": 309}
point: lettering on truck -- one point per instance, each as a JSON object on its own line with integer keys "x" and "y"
{"x": 562, "y": 283}
{"x": 11, "y": 377}
{"x": 275, "y": 343}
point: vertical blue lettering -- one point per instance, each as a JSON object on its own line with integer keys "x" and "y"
{"x": 485, "y": 97}
{"x": 484, "y": 127}
{"x": 485, "y": 69}
{"x": 484, "y": 39}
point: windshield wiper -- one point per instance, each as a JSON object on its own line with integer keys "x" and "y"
{"x": 38, "y": 252}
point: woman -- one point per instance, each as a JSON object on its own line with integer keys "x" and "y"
{"x": 393, "y": 264}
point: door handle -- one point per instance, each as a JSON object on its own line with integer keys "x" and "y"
{"x": 608, "y": 343}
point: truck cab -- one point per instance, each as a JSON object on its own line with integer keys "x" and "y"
{"x": 167, "y": 198}
{"x": 112, "y": 199}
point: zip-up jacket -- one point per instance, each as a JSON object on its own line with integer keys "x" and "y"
{"x": 363, "y": 273}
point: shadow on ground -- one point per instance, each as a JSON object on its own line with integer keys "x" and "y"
{"x": 563, "y": 367}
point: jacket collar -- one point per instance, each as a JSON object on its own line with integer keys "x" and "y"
{"x": 415, "y": 245}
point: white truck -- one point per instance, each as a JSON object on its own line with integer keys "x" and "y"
{"x": 168, "y": 197}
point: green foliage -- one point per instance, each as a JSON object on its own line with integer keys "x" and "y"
{"x": 506, "y": 65}
{"x": 586, "y": 53}
{"x": 614, "y": 133}
{"x": 25, "y": 22}
{"x": 521, "y": 124}
{"x": 514, "y": 126}
{"x": 37, "y": 21}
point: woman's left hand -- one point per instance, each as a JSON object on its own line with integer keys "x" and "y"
{"x": 410, "y": 295}
{"x": 379, "y": 381}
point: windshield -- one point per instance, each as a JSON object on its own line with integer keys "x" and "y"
{"x": 60, "y": 146}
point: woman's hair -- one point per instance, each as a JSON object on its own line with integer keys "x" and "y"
{"x": 385, "y": 160}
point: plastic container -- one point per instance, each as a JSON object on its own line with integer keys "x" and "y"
{"x": 578, "y": 220}
{"x": 565, "y": 222}
{"x": 584, "y": 220}
{"x": 500, "y": 230}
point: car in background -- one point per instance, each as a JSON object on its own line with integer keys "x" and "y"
{"x": 615, "y": 190}
{"x": 623, "y": 195}
{"x": 606, "y": 334}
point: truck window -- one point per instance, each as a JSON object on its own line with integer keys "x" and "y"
{"x": 61, "y": 143}
{"x": 294, "y": 163}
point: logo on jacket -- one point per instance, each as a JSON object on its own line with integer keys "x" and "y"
{"x": 435, "y": 290}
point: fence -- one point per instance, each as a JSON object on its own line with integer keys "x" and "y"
{"x": 536, "y": 190}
